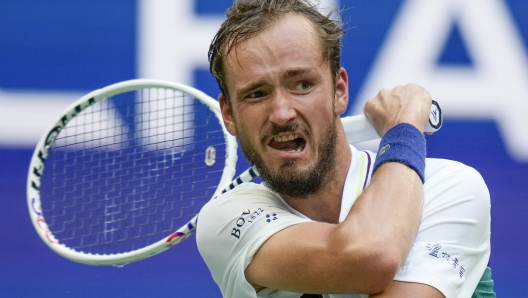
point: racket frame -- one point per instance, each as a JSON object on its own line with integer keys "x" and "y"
{"x": 37, "y": 167}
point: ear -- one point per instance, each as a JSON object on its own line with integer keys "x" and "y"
{"x": 341, "y": 91}
{"x": 229, "y": 121}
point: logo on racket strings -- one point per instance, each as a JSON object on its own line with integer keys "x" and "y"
{"x": 210, "y": 156}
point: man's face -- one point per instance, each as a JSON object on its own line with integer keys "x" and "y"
{"x": 282, "y": 106}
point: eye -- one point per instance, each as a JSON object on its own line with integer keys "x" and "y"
{"x": 303, "y": 86}
{"x": 256, "y": 94}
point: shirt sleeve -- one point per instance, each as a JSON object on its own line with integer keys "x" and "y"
{"x": 452, "y": 247}
{"x": 233, "y": 227}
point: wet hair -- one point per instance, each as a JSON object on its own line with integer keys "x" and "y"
{"x": 248, "y": 18}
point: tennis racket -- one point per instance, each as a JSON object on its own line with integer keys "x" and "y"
{"x": 124, "y": 171}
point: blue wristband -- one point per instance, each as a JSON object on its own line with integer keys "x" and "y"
{"x": 405, "y": 144}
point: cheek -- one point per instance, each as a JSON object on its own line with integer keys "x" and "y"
{"x": 324, "y": 109}
{"x": 321, "y": 118}
{"x": 249, "y": 121}
{"x": 244, "y": 129}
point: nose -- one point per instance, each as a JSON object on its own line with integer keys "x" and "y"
{"x": 282, "y": 110}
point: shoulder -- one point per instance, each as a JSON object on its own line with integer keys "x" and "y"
{"x": 444, "y": 173}
{"x": 243, "y": 196}
{"x": 452, "y": 247}
{"x": 457, "y": 199}
{"x": 234, "y": 204}
{"x": 232, "y": 228}
{"x": 436, "y": 166}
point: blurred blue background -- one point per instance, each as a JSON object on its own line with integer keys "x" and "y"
{"x": 470, "y": 54}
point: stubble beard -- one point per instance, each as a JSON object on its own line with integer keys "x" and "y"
{"x": 289, "y": 180}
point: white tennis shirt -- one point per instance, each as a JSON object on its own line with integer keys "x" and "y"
{"x": 450, "y": 252}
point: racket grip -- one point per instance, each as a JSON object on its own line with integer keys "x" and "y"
{"x": 358, "y": 128}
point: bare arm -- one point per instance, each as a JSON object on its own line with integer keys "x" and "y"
{"x": 361, "y": 254}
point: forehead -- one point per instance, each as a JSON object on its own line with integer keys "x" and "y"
{"x": 291, "y": 41}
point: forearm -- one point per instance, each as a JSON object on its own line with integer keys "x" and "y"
{"x": 390, "y": 209}
{"x": 359, "y": 255}
{"x": 363, "y": 252}
{"x": 383, "y": 223}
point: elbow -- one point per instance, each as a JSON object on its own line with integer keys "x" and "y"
{"x": 377, "y": 263}
{"x": 386, "y": 265}
{"x": 389, "y": 265}
{"x": 368, "y": 259}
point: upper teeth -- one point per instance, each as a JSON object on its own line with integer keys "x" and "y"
{"x": 286, "y": 138}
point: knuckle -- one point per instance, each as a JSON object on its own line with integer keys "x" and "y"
{"x": 427, "y": 95}
{"x": 369, "y": 103}
{"x": 384, "y": 93}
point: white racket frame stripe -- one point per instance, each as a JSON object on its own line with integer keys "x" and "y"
{"x": 357, "y": 129}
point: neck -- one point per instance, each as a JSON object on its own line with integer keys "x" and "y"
{"x": 325, "y": 205}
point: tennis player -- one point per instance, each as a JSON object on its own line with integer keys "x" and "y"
{"x": 329, "y": 220}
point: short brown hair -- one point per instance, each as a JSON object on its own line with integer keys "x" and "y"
{"x": 247, "y": 18}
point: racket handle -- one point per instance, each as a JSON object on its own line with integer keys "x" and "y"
{"x": 358, "y": 128}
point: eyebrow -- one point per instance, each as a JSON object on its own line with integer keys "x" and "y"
{"x": 252, "y": 85}
{"x": 295, "y": 72}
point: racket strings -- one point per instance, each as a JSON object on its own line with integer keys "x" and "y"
{"x": 130, "y": 170}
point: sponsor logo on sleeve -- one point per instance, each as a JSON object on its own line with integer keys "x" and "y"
{"x": 436, "y": 250}
{"x": 247, "y": 217}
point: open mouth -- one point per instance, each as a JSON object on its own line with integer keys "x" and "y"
{"x": 288, "y": 143}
